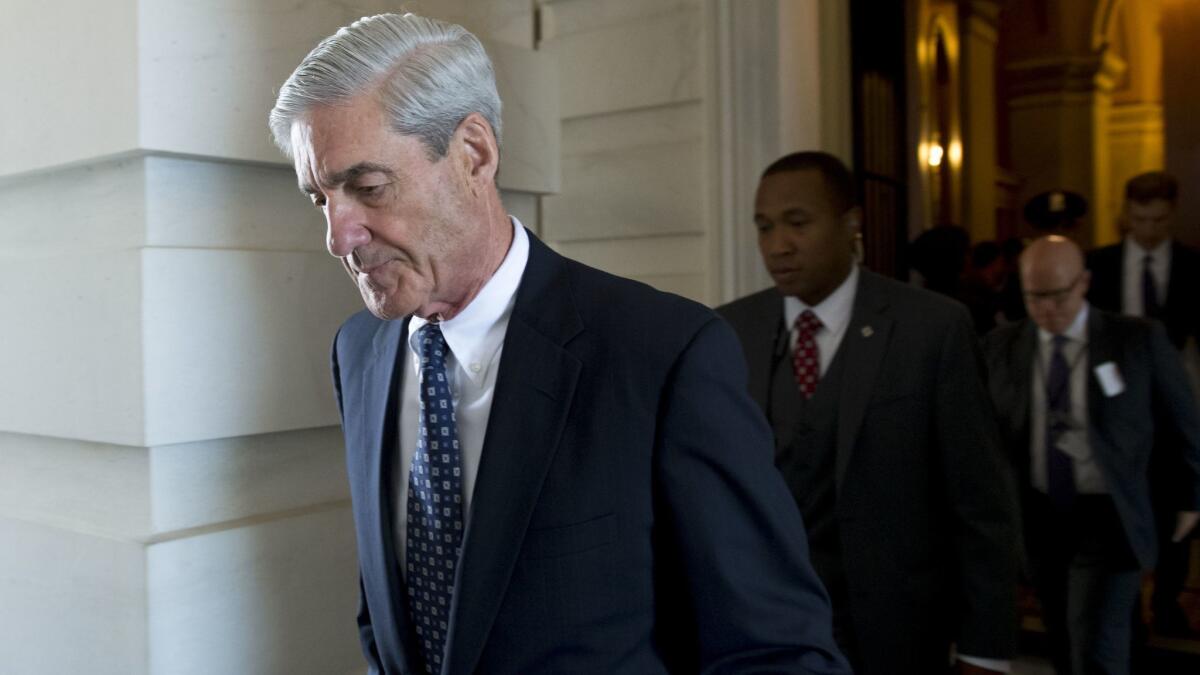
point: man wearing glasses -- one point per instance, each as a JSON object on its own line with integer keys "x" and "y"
{"x": 1081, "y": 396}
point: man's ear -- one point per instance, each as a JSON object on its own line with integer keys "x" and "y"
{"x": 852, "y": 219}
{"x": 480, "y": 156}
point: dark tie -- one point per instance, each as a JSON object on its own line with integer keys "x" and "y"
{"x": 1060, "y": 473}
{"x": 806, "y": 360}
{"x": 1150, "y": 307}
{"x": 435, "y": 517}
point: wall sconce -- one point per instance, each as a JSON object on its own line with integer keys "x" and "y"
{"x": 936, "y": 153}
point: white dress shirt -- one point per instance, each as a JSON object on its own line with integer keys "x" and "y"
{"x": 834, "y": 312}
{"x": 1131, "y": 275}
{"x": 1074, "y": 442}
{"x": 475, "y": 337}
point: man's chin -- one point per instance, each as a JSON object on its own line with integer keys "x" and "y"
{"x": 790, "y": 289}
{"x": 382, "y": 302}
{"x": 384, "y": 308}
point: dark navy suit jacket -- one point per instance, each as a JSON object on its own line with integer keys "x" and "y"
{"x": 626, "y": 516}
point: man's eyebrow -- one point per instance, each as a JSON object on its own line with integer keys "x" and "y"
{"x": 349, "y": 174}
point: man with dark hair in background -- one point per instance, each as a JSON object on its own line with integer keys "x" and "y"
{"x": 983, "y": 284}
{"x": 885, "y": 434}
{"x": 1150, "y": 274}
{"x": 940, "y": 255}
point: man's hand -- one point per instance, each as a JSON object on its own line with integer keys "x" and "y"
{"x": 1184, "y": 522}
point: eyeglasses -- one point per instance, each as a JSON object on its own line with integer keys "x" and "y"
{"x": 1056, "y": 295}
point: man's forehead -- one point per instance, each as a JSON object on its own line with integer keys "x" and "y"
{"x": 1154, "y": 206}
{"x": 332, "y": 152}
{"x": 799, "y": 189}
{"x": 1051, "y": 269}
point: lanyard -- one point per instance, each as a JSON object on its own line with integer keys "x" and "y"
{"x": 1041, "y": 366}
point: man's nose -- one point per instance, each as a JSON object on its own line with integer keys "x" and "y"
{"x": 775, "y": 244}
{"x": 347, "y": 228}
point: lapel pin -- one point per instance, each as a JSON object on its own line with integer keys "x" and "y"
{"x": 867, "y": 331}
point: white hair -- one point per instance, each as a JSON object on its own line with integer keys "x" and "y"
{"x": 429, "y": 76}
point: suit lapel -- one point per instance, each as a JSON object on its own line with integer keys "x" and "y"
{"x": 534, "y": 390}
{"x": 1101, "y": 349}
{"x": 379, "y": 437}
{"x": 1176, "y": 275}
{"x": 762, "y": 346}
{"x": 1117, "y": 280}
{"x": 1177, "y": 310}
{"x": 864, "y": 346}
{"x": 1022, "y": 352}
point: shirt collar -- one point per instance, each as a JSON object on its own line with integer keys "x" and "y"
{"x": 1076, "y": 332}
{"x": 1135, "y": 250}
{"x": 834, "y": 311}
{"x": 476, "y": 334}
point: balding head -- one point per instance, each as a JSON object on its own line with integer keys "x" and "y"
{"x": 1054, "y": 281}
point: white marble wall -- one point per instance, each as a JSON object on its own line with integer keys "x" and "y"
{"x": 635, "y": 163}
{"x": 670, "y": 109}
{"x": 173, "y": 495}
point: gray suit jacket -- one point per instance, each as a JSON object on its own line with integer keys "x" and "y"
{"x": 925, "y": 501}
{"x": 1155, "y": 413}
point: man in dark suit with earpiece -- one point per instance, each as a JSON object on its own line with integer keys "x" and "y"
{"x": 884, "y": 433}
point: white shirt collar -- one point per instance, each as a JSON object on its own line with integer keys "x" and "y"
{"x": 1135, "y": 250}
{"x": 1076, "y": 332}
{"x": 834, "y": 311}
{"x": 476, "y": 334}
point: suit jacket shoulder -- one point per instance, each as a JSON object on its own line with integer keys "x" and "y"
{"x": 1002, "y": 336}
{"x": 629, "y": 307}
{"x": 765, "y": 307}
{"x": 751, "y": 309}
{"x": 906, "y": 299}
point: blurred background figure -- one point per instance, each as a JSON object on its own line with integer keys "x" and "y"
{"x": 1084, "y": 398}
{"x": 1152, "y": 275}
{"x": 1057, "y": 211}
{"x": 983, "y": 285}
{"x": 939, "y": 255}
{"x": 1012, "y": 303}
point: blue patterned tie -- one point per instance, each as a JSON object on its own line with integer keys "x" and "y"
{"x": 435, "y": 520}
{"x": 1060, "y": 470}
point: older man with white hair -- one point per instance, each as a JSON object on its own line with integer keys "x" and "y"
{"x": 553, "y": 470}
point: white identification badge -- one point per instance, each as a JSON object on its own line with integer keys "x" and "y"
{"x": 1110, "y": 379}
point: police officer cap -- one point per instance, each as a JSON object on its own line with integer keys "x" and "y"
{"x": 1055, "y": 209}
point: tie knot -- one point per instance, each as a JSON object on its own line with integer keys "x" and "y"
{"x": 1060, "y": 341}
{"x": 432, "y": 344}
{"x": 808, "y": 323}
{"x": 1148, "y": 259}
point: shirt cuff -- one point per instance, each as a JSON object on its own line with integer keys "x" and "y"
{"x": 1001, "y": 665}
